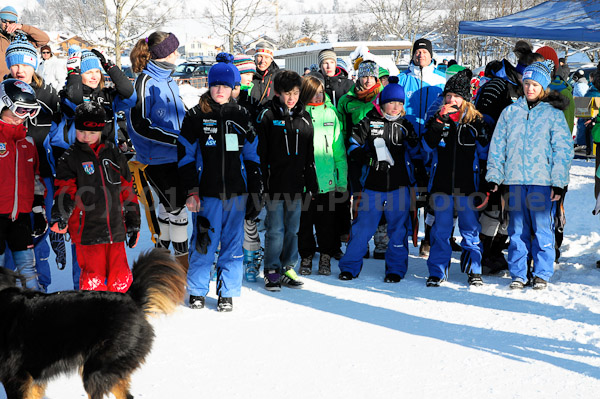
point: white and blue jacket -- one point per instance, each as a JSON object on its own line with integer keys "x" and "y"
{"x": 530, "y": 146}
{"x": 155, "y": 121}
{"x": 422, "y": 86}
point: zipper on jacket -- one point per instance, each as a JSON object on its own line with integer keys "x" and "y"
{"x": 326, "y": 144}
{"x": 16, "y": 198}
{"x": 223, "y": 143}
{"x": 420, "y": 100}
{"x": 454, "y": 160}
{"x": 105, "y": 196}
{"x": 297, "y": 134}
{"x": 287, "y": 144}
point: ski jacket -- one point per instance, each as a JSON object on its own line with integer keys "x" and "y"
{"x": 402, "y": 143}
{"x": 39, "y": 127}
{"x": 559, "y": 85}
{"x": 336, "y": 86}
{"x": 421, "y": 87}
{"x": 121, "y": 97}
{"x": 580, "y": 88}
{"x": 19, "y": 172}
{"x": 530, "y": 146}
{"x": 94, "y": 191}
{"x": 54, "y": 72}
{"x": 246, "y": 100}
{"x": 456, "y": 150}
{"x": 329, "y": 149}
{"x": 492, "y": 98}
{"x": 217, "y": 151}
{"x": 263, "y": 90}
{"x": 285, "y": 147}
{"x": 35, "y": 36}
{"x": 154, "y": 122}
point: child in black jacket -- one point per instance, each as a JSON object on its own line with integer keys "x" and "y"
{"x": 285, "y": 147}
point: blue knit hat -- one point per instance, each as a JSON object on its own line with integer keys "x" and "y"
{"x": 224, "y": 72}
{"x": 540, "y": 71}
{"x": 392, "y": 92}
{"x": 20, "y": 51}
{"x": 9, "y": 13}
{"x": 89, "y": 61}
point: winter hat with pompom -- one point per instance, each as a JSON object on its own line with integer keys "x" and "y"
{"x": 244, "y": 63}
{"x": 549, "y": 54}
{"x": 224, "y": 72}
{"x": 460, "y": 84}
{"x": 392, "y": 92}
{"x": 540, "y": 71}
{"x": 368, "y": 68}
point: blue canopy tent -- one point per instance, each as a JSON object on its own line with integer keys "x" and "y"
{"x": 564, "y": 20}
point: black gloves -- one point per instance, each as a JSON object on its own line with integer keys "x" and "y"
{"x": 202, "y": 237}
{"x": 558, "y": 190}
{"x": 106, "y": 64}
{"x": 254, "y": 204}
{"x": 256, "y": 189}
{"x": 58, "y": 221}
{"x": 40, "y": 223}
{"x": 488, "y": 187}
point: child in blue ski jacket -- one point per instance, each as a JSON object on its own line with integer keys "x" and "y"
{"x": 531, "y": 152}
{"x": 219, "y": 166}
{"x": 457, "y": 143}
{"x": 385, "y": 141}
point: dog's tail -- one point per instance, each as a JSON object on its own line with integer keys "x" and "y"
{"x": 158, "y": 282}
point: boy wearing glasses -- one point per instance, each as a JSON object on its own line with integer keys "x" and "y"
{"x": 23, "y": 190}
{"x": 8, "y": 26}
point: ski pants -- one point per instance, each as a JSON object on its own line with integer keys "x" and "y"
{"x": 531, "y": 230}
{"x": 104, "y": 267}
{"x": 226, "y": 219}
{"x": 440, "y": 254}
{"x": 395, "y": 205}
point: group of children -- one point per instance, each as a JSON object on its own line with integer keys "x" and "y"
{"x": 229, "y": 155}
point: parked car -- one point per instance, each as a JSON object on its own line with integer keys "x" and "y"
{"x": 196, "y": 67}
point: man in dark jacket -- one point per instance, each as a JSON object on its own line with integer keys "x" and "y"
{"x": 265, "y": 72}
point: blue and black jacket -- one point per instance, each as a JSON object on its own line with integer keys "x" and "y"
{"x": 155, "y": 120}
{"x": 217, "y": 152}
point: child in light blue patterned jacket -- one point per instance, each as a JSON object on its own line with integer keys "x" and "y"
{"x": 531, "y": 153}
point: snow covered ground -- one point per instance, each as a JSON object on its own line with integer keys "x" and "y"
{"x": 368, "y": 339}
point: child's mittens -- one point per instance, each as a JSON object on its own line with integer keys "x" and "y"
{"x": 58, "y": 221}
{"x": 133, "y": 236}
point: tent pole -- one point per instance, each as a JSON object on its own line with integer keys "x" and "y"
{"x": 458, "y": 52}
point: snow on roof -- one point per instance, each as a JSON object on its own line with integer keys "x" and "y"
{"x": 345, "y": 46}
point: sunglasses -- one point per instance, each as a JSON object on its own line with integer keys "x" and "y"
{"x": 6, "y": 21}
{"x": 45, "y": 52}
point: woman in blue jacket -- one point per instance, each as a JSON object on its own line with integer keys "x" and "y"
{"x": 531, "y": 152}
{"x": 154, "y": 124}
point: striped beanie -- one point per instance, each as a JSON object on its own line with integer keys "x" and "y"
{"x": 540, "y": 71}
{"x": 244, "y": 64}
{"x": 327, "y": 55}
{"x": 9, "y": 13}
{"x": 20, "y": 51}
{"x": 89, "y": 61}
{"x": 264, "y": 48}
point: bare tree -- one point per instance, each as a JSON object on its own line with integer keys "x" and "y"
{"x": 235, "y": 18}
{"x": 402, "y": 19}
{"x": 122, "y": 21}
{"x": 288, "y": 33}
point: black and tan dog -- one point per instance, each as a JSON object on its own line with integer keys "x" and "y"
{"x": 104, "y": 335}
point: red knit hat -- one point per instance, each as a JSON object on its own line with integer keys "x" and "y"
{"x": 549, "y": 54}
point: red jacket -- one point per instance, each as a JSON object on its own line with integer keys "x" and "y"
{"x": 19, "y": 171}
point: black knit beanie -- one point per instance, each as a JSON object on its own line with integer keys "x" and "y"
{"x": 422, "y": 43}
{"x": 460, "y": 84}
{"x": 90, "y": 116}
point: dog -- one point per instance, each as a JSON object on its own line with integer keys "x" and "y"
{"x": 104, "y": 335}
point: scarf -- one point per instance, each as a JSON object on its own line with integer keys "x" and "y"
{"x": 391, "y": 118}
{"x": 316, "y": 104}
{"x": 367, "y": 95}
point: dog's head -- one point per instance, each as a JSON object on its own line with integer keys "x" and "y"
{"x": 8, "y": 278}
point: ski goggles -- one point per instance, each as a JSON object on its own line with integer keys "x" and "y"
{"x": 24, "y": 111}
